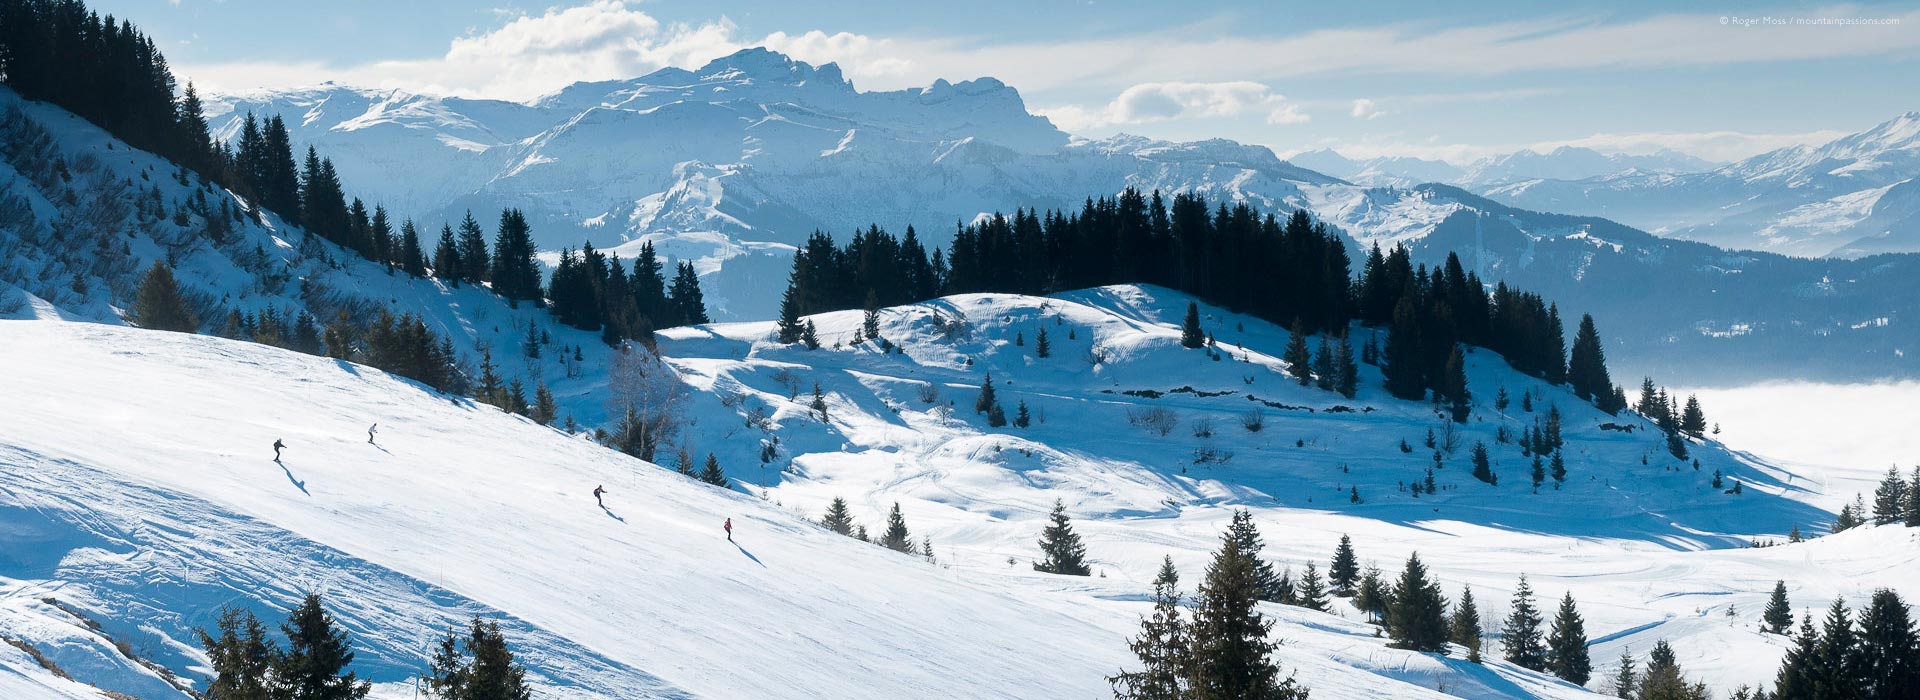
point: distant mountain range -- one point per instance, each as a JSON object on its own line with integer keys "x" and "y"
{"x": 733, "y": 163}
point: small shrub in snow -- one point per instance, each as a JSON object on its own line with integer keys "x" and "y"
{"x": 927, "y": 392}
{"x": 1253, "y": 420}
{"x": 1156, "y": 419}
{"x": 1203, "y": 427}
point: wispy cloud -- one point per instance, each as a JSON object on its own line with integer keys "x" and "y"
{"x": 1147, "y": 103}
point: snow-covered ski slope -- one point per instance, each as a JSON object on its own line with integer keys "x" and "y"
{"x": 1650, "y": 549}
{"x": 138, "y": 490}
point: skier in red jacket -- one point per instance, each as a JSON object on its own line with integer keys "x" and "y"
{"x": 729, "y": 528}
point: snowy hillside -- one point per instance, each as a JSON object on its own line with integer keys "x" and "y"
{"x": 1563, "y": 163}
{"x": 145, "y": 496}
{"x": 1849, "y": 197}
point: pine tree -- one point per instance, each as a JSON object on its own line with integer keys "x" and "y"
{"x": 1664, "y": 679}
{"x": 1567, "y": 645}
{"x": 870, "y": 318}
{"x": 1520, "y": 635}
{"x": 1247, "y": 537}
{"x": 1482, "y": 467}
{"x": 1836, "y": 662}
{"x": 838, "y": 518}
{"x": 1889, "y": 650}
{"x": 712, "y": 474}
{"x": 1325, "y": 374}
{"x": 1417, "y": 615}
{"x": 1190, "y": 334}
{"x": 1344, "y": 572}
{"x": 1890, "y": 499}
{"x": 1693, "y": 421}
{"x": 158, "y": 303}
{"x": 1559, "y": 468}
{"x": 1465, "y": 629}
{"x": 1587, "y": 367}
{"x": 476, "y": 265}
{"x": 1779, "y": 614}
{"x": 1850, "y": 516}
{"x": 683, "y": 463}
{"x": 1021, "y": 418}
{"x": 685, "y": 297}
{"x": 1042, "y": 348}
{"x": 810, "y": 336}
{"x": 411, "y": 257}
{"x": 544, "y": 410}
{"x": 241, "y": 657}
{"x": 446, "y": 257}
{"x": 1539, "y": 472}
{"x": 1625, "y": 680}
{"x": 1799, "y": 671}
{"x": 1459, "y": 397}
{"x": 1401, "y": 359}
{"x": 987, "y": 400}
{"x": 791, "y": 326}
{"x": 1299, "y": 360}
{"x": 1230, "y": 650}
{"x": 1913, "y": 499}
{"x": 515, "y": 274}
{"x": 314, "y": 666}
{"x": 1312, "y": 593}
{"x": 1371, "y": 596}
{"x": 897, "y": 538}
{"x": 1162, "y": 647}
{"x": 1346, "y": 373}
{"x": 1061, "y": 551}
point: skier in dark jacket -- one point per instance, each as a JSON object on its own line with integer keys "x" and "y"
{"x": 277, "y": 447}
{"x": 370, "y": 430}
{"x": 597, "y": 490}
{"x": 729, "y": 528}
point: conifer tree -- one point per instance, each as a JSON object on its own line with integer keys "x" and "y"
{"x": 1465, "y": 629}
{"x": 241, "y": 657}
{"x": 712, "y": 474}
{"x": 1459, "y": 397}
{"x": 810, "y": 336}
{"x": 838, "y": 518}
{"x": 1325, "y": 374}
{"x": 515, "y": 274}
{"x": 446, "y": 258}
{"x": 987, "y": 400}
{"x": 791, "y": 327}
{"x": 1230, "y": 650}
{"x": 1890, "y": 499}
{"x": 1587, "y": 367}
{"x": 1779, "y": 614}
{"x": 158, "y": 303}
{"x": 870, "y": 318}
{"x": 1625, "y": 679}
{"x": 1520, "y": 635}
{"x": 1664, "y": 679}
{"x": 683, "y": 463}
{"x": 314, "y": 666}
{"x": 1693, "y": 421}
{"x": 1559, "y": 468}
{"x": 1913, "y": 499}
{"x": 1401, "y": 359}
{"x": 544, "y": 410}
{"x": 1299, "y": 360}
{"x": 1836, "y": 662}
{"x": 1042, "y": 348}
{"x": 897, "y": 538}
{"x": 411, "y": 257}
{"x": 1539, "y": 471}
{"x": 1021, "y": 418}
{"x": 1247, "y": 538}
{"x": 476, "y": 265}
{"x": 684, "y": 296}
{"x": 1162, "y": 647}
{"x": 1799, "y": 671}
{"x": 1371, "y": 596}
{"x": 1482, "y": 467}
{"x": 819, "y": 404}
{"x": 1312, "y": 592}
{"x": 1567, "y": 645}
{"x": 1417, "y": 615}
{"x": 1061, "y": 551}
{"x": 1190, "y": 334}
{"x": 1346, "y": 379}
{"x": 1344, "y": 572}
{"x": 1888, "y": 662}
{"x": 306, "y": 335}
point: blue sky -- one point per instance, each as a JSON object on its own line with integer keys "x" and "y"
{"x": 1452, "y": 80}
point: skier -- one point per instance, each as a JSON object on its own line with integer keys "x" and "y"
{"x": 370, "y": 430}
{"x": 597, "y": 490}
{"x": 277, "y": 447}
{"x": 729, "y": 528}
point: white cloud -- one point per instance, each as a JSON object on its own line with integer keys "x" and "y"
{"x": 1148, "y": 103}
{"x": 527, "y": 56}
{"x": 1366, "y": 109}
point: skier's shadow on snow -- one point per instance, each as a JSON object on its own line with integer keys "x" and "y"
{"x": 296, "y": 482}
{"x": 382, "y": 449}
{"x": 611, "y": 514}
{"x": 743, "y": 550}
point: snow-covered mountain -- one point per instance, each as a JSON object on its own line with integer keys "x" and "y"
{"x": 1562, "y": 163}
{"x": 1851, "y": 197}
{"x": 1668, "y": 307}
